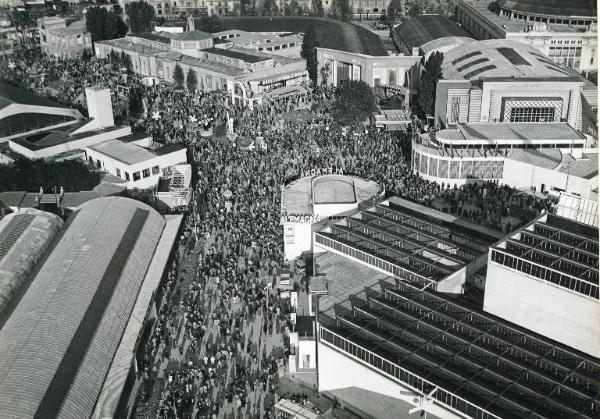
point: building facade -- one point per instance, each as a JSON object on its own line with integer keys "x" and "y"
{"x": 141, "y": 168}
{"x": 248, "y": 75}
{"x": 59, "y": 40}
{"x": 401, "y": 72}
{"x": 567, "y": 33}
{"x": 556, "y": 260}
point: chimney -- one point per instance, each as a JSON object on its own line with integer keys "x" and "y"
{"x": 99, "y": 105}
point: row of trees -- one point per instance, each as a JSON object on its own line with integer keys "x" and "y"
{"x": 105, "y": 24}
{"x": 190, "y": 81}
{"x": 30, "y": 175}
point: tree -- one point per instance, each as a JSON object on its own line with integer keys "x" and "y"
{"x": 103, "y": 25}
{"x": 140, "y": 15}
{"x": 325, "y": 73}
{"x": 178, "y": 76}
{"x": 270, "y": 8}
{"x": 191, "y": 81}
{"x": 429, "y": 79}
{"x": 309, "y": 53}
{"x": 210, "y": 24}
{"x": 394, "y": 10}
{"x": 341, "y": 10}
{"x": 135, "y": 103}
{"x": 317, "y": 8}
{"x": 293, "y": 8}
{"x": 354, "y": 103}
{"x": 415, "y": 10}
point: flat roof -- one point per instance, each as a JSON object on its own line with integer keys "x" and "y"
{"x": 248, "y": 56}
{"x": 191, "y": 36}
{"x": 524, "y": 132}
{"x": 151, "y": 37}
{"x": 298, "y": 196}
{"x": 409, "y": 240}
{"x": 125, "y": 152}
{"x": 426, "y": 340}
{"x": 419, "y": 30}
{"x": 13, "y": 95}
{"x": 548, "y": 158}
{"x": 499, "y": 58}
{"x": 564, "y": 248}
{"x": 76, "y": 309}
{"x": 587, "y": 8}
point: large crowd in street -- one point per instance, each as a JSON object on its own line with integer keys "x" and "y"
{"x": 218, "y": 342}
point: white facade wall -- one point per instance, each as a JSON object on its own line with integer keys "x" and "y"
{"x": 522, "y": 175}
{"x": 297, "y": 238}
{"x": 338, "y": 372}
{"x": 552, "y": 311}
{"x": 307, "y": 353}
{"x": 517, "y": 174}
{"x": 495, "y": 92}
{"x": 122, "y": 169}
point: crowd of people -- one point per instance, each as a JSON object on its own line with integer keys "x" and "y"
{"x": 217, "y": 344}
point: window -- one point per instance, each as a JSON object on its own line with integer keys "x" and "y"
{"x": 127, "y": 176}
{"x": 136, "y": 176}
{"x": 146, "y": 173}
{"x": 532, "y": 114}
{"x": 118, "y": 172}
{"x": 98, "y": 163}
{"x": 155, "y": 170}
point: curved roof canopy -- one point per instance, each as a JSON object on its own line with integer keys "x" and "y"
{"x": 59, "y": 342}
{"x": 586, "y": 8}
{"x": 419, "y": 30}
{"x": 24, "y": 236}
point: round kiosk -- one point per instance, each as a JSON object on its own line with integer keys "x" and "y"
{"x": 309, "y": 202}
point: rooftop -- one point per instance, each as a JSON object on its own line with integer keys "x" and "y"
{"x": 504, "y": 24}
{"x": 24, "y": 236}
{"x": 499, "y": 58}
{"x": 61, "y": 135}
{"x": 481, "y": 365}
{"x": 560, "y": 251}
{"x": 579, "y": 8}
{"x": 152, "y": 37}
{"x": 249, "y": 56}
{"x": 298, "y": 196}
{"x": 488, "y": 132}
{"x": 419, "y": 30}
{"x": 125, "y": 152}
{"x": 408, "y": 240}
{"x": 191, "y": 36}
{"x": 76, "y": 309}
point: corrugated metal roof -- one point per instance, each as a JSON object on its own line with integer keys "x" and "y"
{"x": 63, "y": 300}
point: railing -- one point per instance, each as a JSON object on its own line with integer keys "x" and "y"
{"x": 391, "y": 370}
{"x": 545, "y": 273}
{"x": 388, "y": 267}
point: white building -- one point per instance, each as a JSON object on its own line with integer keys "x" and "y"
{"x": 140, "y": 167}
{"x": 544, "y": 277}
{"x": 249, "y": 75}
{"x": 565, "y": 31}
{"x": 310, "y": 200}
{"x": 398, "y": 71}
{"x": 40, "y": 130}
{"x": 533, "y": 157}
{"x": 61, "y": 40}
